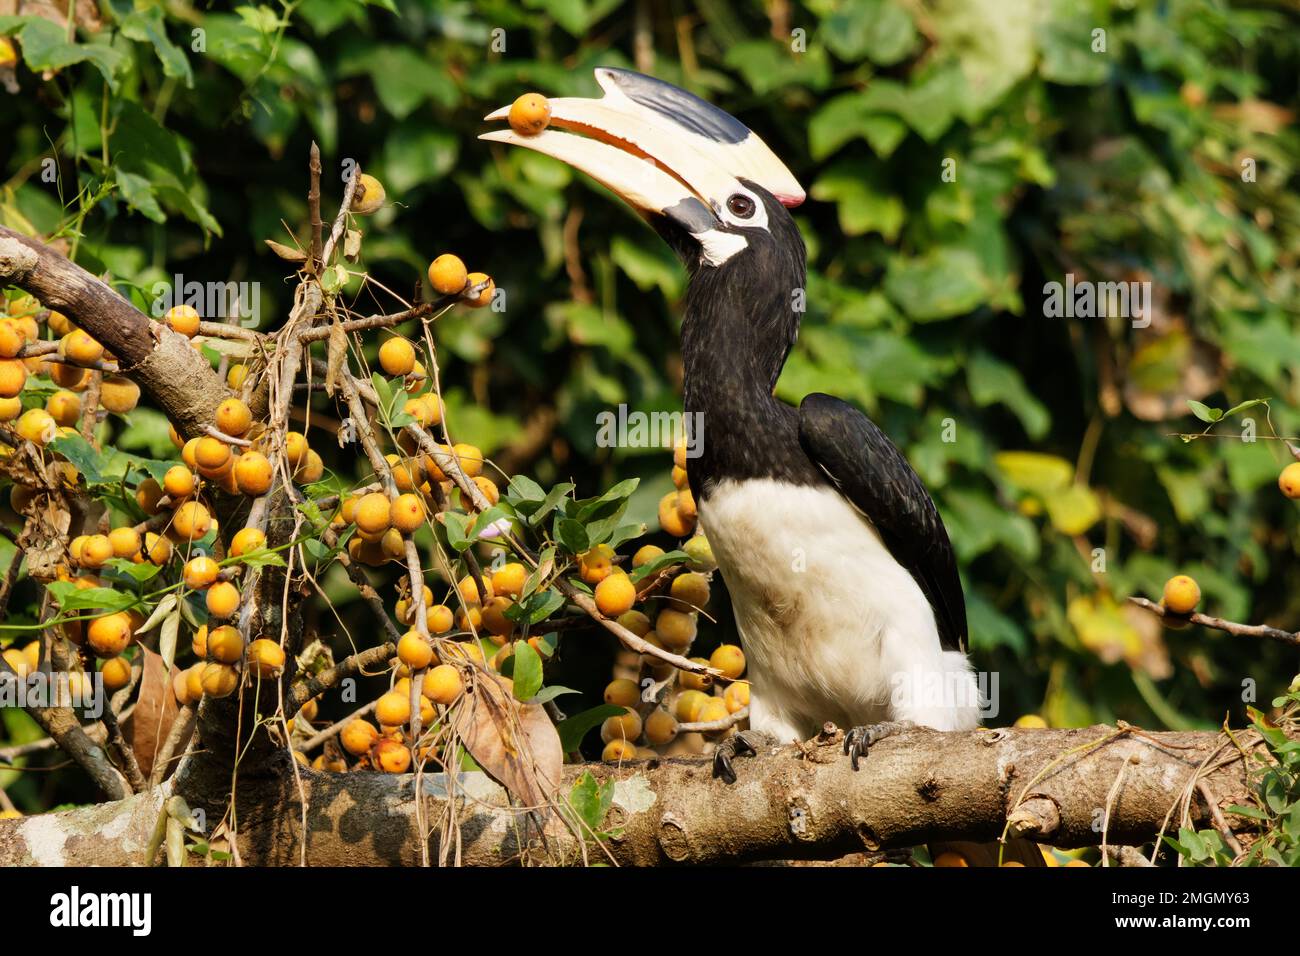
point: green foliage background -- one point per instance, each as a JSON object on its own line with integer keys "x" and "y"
{"x": 180, "y": 134}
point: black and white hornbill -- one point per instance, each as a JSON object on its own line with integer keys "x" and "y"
{"x": 840, "y": 571}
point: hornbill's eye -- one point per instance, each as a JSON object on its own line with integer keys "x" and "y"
{"x": 740, "y": 206}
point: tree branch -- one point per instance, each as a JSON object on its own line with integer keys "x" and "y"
{"x": 793, "y": 802}
{"x": 161, "y": 361}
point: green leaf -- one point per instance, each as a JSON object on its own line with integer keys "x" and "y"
{"x": 600, "y": 529}
{"x": 83, "y": 455}
{"x": 1067, "y": 55}
{"x": 522, "y": 488}
{"x": 545, "y": 564}
{"x": 1190, "y": 839}
{"x": 143, "y": 147}
{"x": 863, "y": 199}
{"x": 665, "y": 560}
{"x": 260, "y": 558}
{"x": 139, "y": 573}
{"x": 536, "y": 608}
{"x": 72, "y": 598}
{"x": 1187, "y": 489}
{"x": 1254, "y": 813}
{"x": 1204, "y": 412}
{"x": 649, "y": 265}
{"x": 551, "y": 692}
{"x": 624, "y": 533}
{"x": 527, "y": 671}
{"x": 990, "y": 628}
{"x": 571, "y": 535}
{"x": 942, "y": 283}
{"x": 318, "y": 550}
{"x": 550, "y": 503}
{"x": 849, "y": 116}
{"x": 139, "y": 195}
{"x": 992, "y": 380}
{"x": 404, "y": 78}
{"x": 383, "y": 390}
{"x": 416, "y": 154}
{"x": 147, "y": 26}
{"x": 591, "y": 800}
{"x": 1251, "y": 403}
{"x": 592, "y": 508}
{"x": 768, "y": 65}
{"x": 879, "y": 30}
{"x": 456, "y": 524}
{"x": 45, "y": 46}
{"x": 165, "y": 607}
{"x": 573, "y": 729}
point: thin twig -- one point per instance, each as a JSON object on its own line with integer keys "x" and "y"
{"x": 1232, "y": 627}
{"x": 126, "y": 756}
{"x": 333, "y": 730}
{"x": 711, "y": 726}
{"x": 1216, "y": 815}
{"x": 313, "y": 209}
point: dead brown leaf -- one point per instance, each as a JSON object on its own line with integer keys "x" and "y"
{"x": 515, "y": 743}
{"x": 288, "y": 253}
{"x": 154, "y": 713}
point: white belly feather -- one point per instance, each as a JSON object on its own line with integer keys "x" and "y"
{"x": 833, "y": 627}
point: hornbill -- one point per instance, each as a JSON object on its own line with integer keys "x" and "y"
{"x": 839, "y": 568}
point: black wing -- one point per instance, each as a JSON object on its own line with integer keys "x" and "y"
{"x": 872, "y": 473}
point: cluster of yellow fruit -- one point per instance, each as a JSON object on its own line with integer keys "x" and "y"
{"x": 69, "y": 368}
{"x": 221, "y": 652}
{"x": 107, "y": 640}
{"x": 483, "y": 607}
{"x": 677, "y": 514}
{"x": 692, "y": 699}
{"x": 447, "y": 275}
{"x": 232, "y": 467}
{"x": 382, "y": 521}
{"x": 688, "y": 698}
{"x": 478, "y": 614}
{"x": 384, "y": 747}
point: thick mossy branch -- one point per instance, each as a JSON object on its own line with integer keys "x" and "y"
{"x": 789, "y": 803}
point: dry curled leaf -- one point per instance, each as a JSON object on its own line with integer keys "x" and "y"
{"x": 515, "y": 743}
{"x": 287, "y": 253}
{"x": 352, "y": 244}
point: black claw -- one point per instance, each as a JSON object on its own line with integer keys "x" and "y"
{"x": 722, "y": 768}
{"x": 858, "y": 740}
{"x": 853, "y": 745}
{"x": 737, "y": 745}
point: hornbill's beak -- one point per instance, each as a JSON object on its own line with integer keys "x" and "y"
{"x": 663, "y": 150}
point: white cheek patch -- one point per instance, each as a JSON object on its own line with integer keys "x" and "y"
{"x": 716, "y": 246}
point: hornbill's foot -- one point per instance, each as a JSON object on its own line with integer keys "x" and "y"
{"x": 744, "y": 743}
{"x": 860, "y": 739}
